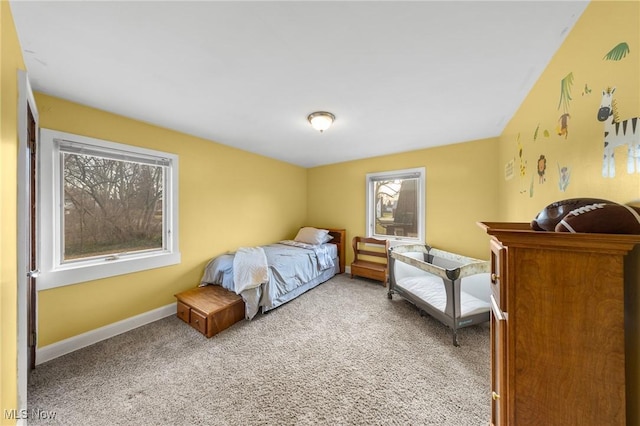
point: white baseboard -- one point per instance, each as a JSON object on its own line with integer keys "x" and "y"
{"x": 347, "y": 269}
{"x": 63, "y": 347}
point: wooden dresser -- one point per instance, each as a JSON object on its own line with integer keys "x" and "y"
{"x": 557, "y": 326}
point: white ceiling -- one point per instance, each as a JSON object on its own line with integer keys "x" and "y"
{"x": 398, "y": 76}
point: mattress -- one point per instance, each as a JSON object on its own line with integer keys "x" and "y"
{"x": 431, "y": 290}
{"x": 293, "y": 269}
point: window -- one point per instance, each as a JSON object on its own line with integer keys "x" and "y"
{"x": 395, "y": 204}
{"x": 105, "y": 209}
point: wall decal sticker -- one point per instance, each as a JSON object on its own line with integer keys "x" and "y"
{"x": 523, "y": 162}
{"x": 535, "y": 134}
{"x": 523, "y": 166}
{"x": 617, "y": 133}
{"x": 564, "y": 173}
{"x": 617, "y": 53}
{"x": 542, "y": 168}
{"x": 509, "y": 169}
{"x": 531, "y": 188}
{"x": 546, "y": 133}
{"x": 563, "y": 125}
{"x": 565, "y": 92}
{"x": 586, "y": 90}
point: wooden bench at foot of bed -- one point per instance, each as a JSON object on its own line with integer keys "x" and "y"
{"x": 210, "y": 309}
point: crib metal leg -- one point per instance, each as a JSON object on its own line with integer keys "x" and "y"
{"x": 455, "y": 338}
{"x": 389, "y": 294}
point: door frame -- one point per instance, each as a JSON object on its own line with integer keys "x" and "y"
{"x": 25, "y": 99}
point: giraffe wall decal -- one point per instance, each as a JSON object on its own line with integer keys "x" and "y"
{"x": 617, "y": 133}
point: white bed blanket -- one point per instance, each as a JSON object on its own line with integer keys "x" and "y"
{"x": 250, "y": 268}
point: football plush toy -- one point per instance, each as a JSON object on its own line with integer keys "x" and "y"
{"x": 551, "y": 215}
{"x": 602, "y": 218}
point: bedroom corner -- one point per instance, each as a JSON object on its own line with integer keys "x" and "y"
{"x": 228, "y": 198}
{"x": 461, "y": 189}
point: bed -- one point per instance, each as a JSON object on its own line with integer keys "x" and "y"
{"x": 452, "y": 288}
{"x": 271, "y": 275}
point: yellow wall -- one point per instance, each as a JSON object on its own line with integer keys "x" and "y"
{"x": 461, "y": 189}
{"x": 601, "y": 27}
{"x": 10, "y": 62}
{"x": 228, "y": 198}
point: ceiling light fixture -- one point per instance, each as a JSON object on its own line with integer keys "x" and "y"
{"x": 321, "y": 120}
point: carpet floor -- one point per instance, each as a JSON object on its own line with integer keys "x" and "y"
{"x": 340, "y": 354}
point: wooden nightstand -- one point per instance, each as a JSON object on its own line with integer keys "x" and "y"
{"x": 210, "y": 309}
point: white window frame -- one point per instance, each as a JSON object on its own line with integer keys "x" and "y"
{"x": 54, "y": 272}
{"x": 419, "y": 173}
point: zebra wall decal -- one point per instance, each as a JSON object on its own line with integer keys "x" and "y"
{"x": 618, "y": 133}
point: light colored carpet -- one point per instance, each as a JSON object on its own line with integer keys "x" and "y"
{"x": 341, "y": 354}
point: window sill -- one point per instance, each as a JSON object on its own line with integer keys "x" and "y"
{"x": 75, "y": 274}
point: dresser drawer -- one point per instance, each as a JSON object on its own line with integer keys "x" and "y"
{"x": 198, "y": 321}
{"x": 183, "y": 312}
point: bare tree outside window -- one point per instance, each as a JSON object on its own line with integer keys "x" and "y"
{"x": 106, "y": 209}
{"x": 110, "y": 206}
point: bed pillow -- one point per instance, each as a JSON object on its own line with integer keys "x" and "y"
{"x": 314, "y": 236}
{"x": 327, "y": 238}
